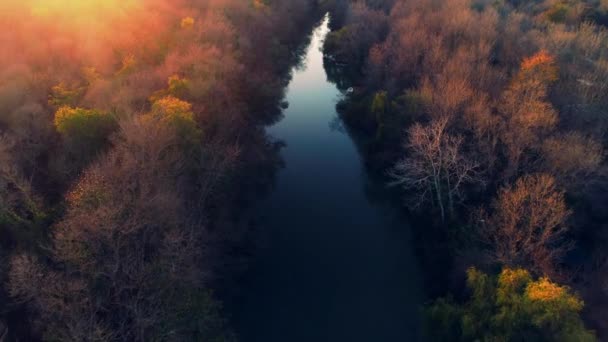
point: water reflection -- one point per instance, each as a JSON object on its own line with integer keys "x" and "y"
{"x": 336, "y": 266}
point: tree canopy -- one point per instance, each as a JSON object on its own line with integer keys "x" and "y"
{"x": 510, "y": 307}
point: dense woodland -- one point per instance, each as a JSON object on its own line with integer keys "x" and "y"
{"x": 122, "y": 160}
{"x": 127, "y": 159}
{"x": 491, "y": 118}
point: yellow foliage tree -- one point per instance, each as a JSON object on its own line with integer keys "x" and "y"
{"x": 177, "y": 114}
{"x": 187, "y": 22}
{"x": 510, "y": 307}
{"x": 85, "y": 131}
{"x": 176, "y": 87}
{"x": 62, "y": 95}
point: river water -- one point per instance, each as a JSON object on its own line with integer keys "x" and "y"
{"x": 338, "y": 263}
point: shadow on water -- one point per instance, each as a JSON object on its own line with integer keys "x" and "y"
{"x": 337, "y": 263}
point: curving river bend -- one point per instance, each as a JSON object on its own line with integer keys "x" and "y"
{"x": 339, "y": 264}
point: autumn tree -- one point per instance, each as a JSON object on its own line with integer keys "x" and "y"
{"x": 85, "y": 131}
{"x": 63, "y": 95}
{"x": 526, "y": 113}
{"x": 574, "y": 159}
{"x": 527, "y": 224}
{"x": 187, "y": 23}
{"x": 128, "y": 256}
{"x": 581, "y": 93}
{"x": 435, "y": 167}
{"x": 126, "y": 245}
{"x": 351, "y": 43}
{"x": 511, "y": 307}
{"x": 176, "y": 87}
{"x": 529, "y": 97}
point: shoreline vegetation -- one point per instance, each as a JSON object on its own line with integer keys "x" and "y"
{"x": 127, "y": 148}
{"x": 491, "y": 118}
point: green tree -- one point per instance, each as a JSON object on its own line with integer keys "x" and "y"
{"x": 379, "y": 109}
{"x": 510, "y": 307}
{"x": 85, "y": 131}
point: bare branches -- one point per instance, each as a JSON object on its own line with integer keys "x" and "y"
{"x": 574, "y": 159}
{"x": 435, "y": 166}
{"x": 527, "y": 224}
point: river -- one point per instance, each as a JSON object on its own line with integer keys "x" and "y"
{"x": 338, "y": 264}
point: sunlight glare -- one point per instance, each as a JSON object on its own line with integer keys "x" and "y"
{"x": 80, "y": 9}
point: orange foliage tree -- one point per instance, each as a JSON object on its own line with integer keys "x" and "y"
{"x": 527, "y": 224}
{"x": 526, "y": 113}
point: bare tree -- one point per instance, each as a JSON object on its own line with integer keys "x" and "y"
{"x": 20, "y": 207}
{"x": 527, "y": 224}
{"x": 574, "y": 159}
{"x": 434, "y": 167}
{"x": 65, "y": 308}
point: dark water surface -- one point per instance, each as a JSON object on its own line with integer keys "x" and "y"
{"x": 338, "y": 264}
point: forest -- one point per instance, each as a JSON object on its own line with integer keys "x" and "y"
{"x": 490, "y": 116}
{"x": 137, "y": 148}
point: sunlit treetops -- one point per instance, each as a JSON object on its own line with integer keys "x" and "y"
{"x": 176, "y": 87}
{"x": 546, "y": 291}
{"x": 129, "y": 62}
{"x": 170, "y": 107}
{"x": 510, "y": 307}
{"x": 517, "y": 280}
{"x": 510, "y": 280}
{"x": 187, "y": 22}
{"x": 178, "y": 114}
{"x": 62, "y": 95}
{"x": 541, "y": 66}
{"x": 90, "y": 74}
{"x": 259, "y": 4}
{"x": 525, "y": 100}
{"x": 84, "y": 123}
